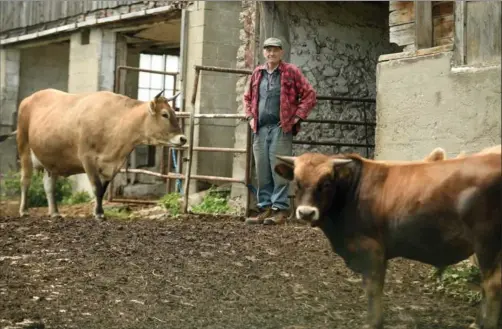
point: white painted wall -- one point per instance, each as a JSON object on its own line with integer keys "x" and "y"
{"x": 424, "y": 103}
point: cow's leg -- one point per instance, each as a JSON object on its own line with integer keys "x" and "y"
{"x": 99, "y": 191}
{"x": 98, "y": 187}
{"x": 492, "y": 303}
{"x": 26, "y": 173}
{"x": 50, "y": 189}
{"x": 474, "y": 260}
{"x": 481, "y": 312}
{"x": 371, "y": 262}
{"x": 373, "y": 281}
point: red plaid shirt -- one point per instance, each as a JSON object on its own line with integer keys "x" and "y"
{"x": 298, "y": 98}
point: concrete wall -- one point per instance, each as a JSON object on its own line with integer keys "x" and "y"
{"x": 44, "y": 67}
{"x": 91, "y": 68}
{"x": 424, "y": 103}
{"x": 92, "y": 65}
{"x": 245, "y": 60}
{"x": 215, "y": 44}
{"x": 9, "y": 86}
{"x": 28, "y": 70}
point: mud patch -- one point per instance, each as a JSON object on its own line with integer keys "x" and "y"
{"x": 196, "y": 272}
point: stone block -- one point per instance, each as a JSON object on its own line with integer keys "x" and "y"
{"x": 227, "y": 52}
{"x": 210, "y": 52}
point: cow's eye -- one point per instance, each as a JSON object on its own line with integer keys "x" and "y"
{"x": 326, "y": 185}
{"x": 165, "y": 115}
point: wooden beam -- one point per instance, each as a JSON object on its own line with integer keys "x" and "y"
{"x": 416, "y": 53}
{"x": 423, "y": 24}
{"x": 459, "y": 39}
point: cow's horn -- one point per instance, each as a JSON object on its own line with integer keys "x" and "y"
{"x": 173, "y": 97}
{"x": 159, "y": 94}
{"x": 288, "y": 159}
{"x": 340, "y": 161}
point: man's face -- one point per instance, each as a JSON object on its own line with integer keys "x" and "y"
{"x": 273, "y": 54}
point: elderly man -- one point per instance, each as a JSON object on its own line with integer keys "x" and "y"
{"x": 278, "y": 99}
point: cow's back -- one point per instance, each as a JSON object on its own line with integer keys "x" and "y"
{"x": 435, "y": 206}
{"x": 54, "y": 124}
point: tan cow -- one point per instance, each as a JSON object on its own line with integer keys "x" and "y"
{"x": 435, "y": 212}
{"x": 67, "y": 134}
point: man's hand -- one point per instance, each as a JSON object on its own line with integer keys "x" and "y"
{"x": 251, "y": 123}
{"x": 296, "y": 120}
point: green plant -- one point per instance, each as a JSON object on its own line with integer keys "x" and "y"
{"x": 119, "y": 212}
{"x": 457, "y": 281}
{"x": 214, "y": 202}
{"x": 171, "y": 203}
{"x": 11, "y": 187}
{"x": 77, "y": 197}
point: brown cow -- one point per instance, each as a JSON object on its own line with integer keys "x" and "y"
{"x": 437, "y": 212}
{"x": 67, "y": 134}
{"x": 439, "y": 154}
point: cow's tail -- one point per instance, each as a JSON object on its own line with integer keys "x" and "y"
{"x": 7, "y": 136}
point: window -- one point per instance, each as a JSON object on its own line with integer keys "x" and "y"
{"x": 150, "y": 84}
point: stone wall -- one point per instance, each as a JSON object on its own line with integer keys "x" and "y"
{"x": 336, "y": 45}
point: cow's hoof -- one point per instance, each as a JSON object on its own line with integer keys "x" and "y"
{"x": 24, "y": 214}
{"x": 99, "y": 216}
{"x": 56, "y": 215}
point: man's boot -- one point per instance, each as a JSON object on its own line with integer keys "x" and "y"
{"x": 260, "y": 218}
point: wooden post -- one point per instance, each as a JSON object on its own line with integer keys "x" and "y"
{"x": 423, "y": 24}
{"x": 459, "y": 42}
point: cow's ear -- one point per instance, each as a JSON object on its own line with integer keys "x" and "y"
{"x": 286, "y": 166}
{"x": 285, "y": 171}
{"x": 152, "y": 107}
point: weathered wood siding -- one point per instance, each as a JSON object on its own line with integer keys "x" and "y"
{"x": 483, "y": 32}
{"x": 19, "y": 14}
{"x": 402, "y": 23}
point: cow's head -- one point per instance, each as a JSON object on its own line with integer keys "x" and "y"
{"x": 319, "y": 180}
{"x": 162, "y": 126}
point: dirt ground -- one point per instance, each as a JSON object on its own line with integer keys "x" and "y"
{"x": 196, "y": 272}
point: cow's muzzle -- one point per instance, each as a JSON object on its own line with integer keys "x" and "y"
{"x": 308, "y": 213}
{"x": 178, "y": 140}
